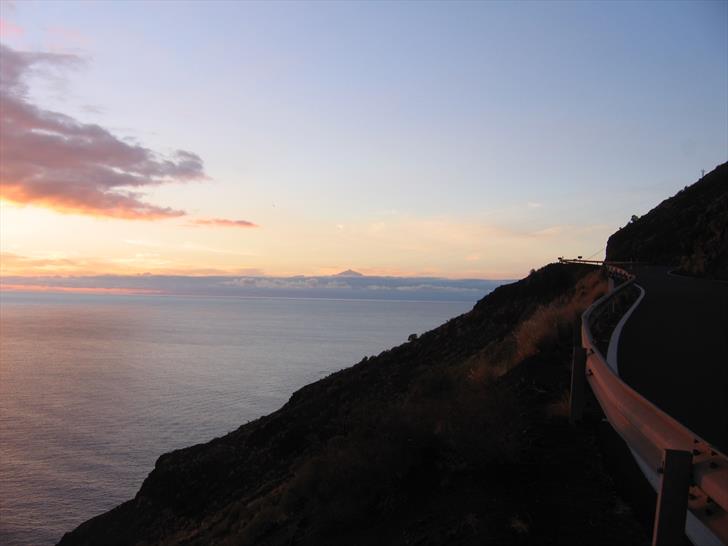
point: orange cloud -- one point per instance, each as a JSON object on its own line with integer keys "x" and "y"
{"x": 75, "y": 289}
{"x": 17, "y": 265}
{"x": 224, "y": 222}
{"x": 52, "y": 160}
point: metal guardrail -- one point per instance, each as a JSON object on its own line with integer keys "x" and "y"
{"x": 693, "y": 475}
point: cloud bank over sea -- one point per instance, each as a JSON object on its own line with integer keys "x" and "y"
{"x": 335, "y": 287}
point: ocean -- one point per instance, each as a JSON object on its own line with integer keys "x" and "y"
{"x": 93, "y": 388}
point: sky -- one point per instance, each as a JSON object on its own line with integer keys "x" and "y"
{"x": 456, "y": 140}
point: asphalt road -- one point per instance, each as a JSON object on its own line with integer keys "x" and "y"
{"x": 674, "y": 350}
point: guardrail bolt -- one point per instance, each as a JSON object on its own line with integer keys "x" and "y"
{"x": 696, "y": 452}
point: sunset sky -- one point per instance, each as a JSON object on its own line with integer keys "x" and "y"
{"x": 462, "y": 140}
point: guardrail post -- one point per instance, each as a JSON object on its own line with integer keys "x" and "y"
{"x": 672, "y": 498}
{"x": 578, "y": 384}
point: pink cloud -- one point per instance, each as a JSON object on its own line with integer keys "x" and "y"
{"x": 9, "y": 29}
{"x": 223, "y": 222}
{"x": 65, "y": 37}
{"x": 50, "y": 159}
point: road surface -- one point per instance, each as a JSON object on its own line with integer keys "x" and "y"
{"x": 674, "y": 350}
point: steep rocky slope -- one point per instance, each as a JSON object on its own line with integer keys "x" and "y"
{"x": 689, "y": 230}
{"x": 457, "y": 437}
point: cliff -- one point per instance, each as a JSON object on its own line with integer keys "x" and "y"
{"x": 688, "y": 230}
{"x": 458, "y": 437}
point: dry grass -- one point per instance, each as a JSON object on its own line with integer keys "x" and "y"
{"x": 452, "y": 420}
{"x": 559, "y": 408}
{"x": 546, "y": 325}
{"x": 520, "y": 525}
{"x": 553, "y": 321}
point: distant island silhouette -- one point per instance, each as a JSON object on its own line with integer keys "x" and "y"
{"x": 349, "y": 273}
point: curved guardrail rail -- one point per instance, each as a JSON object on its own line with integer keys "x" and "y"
{"x": 692, "y": 474}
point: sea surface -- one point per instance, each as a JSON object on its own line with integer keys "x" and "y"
{"x": 93, "y": 388}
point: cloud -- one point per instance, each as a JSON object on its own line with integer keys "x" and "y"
{"x": 52, "y": 160}
{"x": 11, "y": 263}
{"x": 9, "y": 29}
{"x": 428, "y": 287}
{"x": 224, "y": 222}
{"x": 63, "y": 38}
{"x": 213, "y": 284}
{"x": 57, "y": 264}
{"x": 294, "y": 283}
{"x": 76, "y": 289}
{"x": 9, "y": 6}
{"x": 551, "y": 231}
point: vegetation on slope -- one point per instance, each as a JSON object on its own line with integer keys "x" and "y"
{"x": 458, "y": 437}
{"x": 690, "y": 230}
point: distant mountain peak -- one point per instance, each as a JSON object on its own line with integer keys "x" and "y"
{"x": 349, "y": 273}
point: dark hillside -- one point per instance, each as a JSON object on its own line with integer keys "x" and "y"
{"x": 457, "y": 437}
{"x": 690, "y": 230}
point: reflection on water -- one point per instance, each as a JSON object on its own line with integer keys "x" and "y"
{"x": 94, "y": 388}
